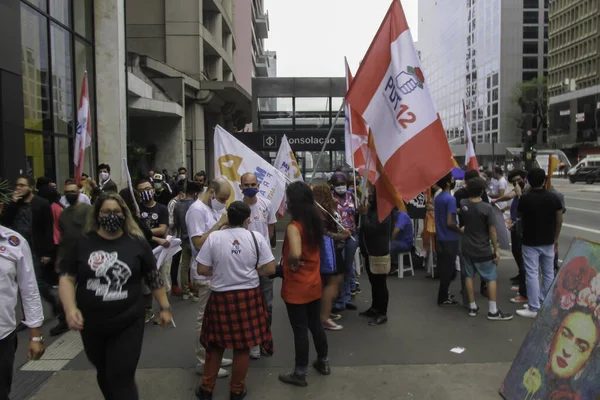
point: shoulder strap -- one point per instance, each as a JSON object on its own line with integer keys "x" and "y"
{"x": 256, "y": 246}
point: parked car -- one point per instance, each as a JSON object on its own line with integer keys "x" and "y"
{"x": 586, "y": 174}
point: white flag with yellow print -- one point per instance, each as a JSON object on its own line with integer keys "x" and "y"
{"x": 286, "y": 161}
{"x": 233, "y": 159}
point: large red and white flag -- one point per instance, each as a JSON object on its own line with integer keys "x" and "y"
{"x": 356, "y": 137}
{"x": 83, "y": 137}
{"x": 391, "y": 94}
{"x": 470, "y": 158}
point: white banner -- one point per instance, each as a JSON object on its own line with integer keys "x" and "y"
{"x": 233, "y": 159}
{"x": 286, "y": 161}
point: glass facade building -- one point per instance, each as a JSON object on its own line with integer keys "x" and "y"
{"x": 476, "y": 52}
{"x": 57, "y": 49}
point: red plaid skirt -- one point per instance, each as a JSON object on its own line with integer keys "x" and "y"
{"x": 236, "y": 319}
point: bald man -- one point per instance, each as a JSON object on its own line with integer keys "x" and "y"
{"x": 262, "y": 220}
{"x": 205, "y": 216}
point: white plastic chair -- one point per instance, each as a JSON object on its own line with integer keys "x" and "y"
{"x": 401, "y": 269}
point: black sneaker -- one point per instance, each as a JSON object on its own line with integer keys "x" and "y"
{"x": 351, "y": 307}
{"x": 203, "y": 395}
{"x": 499, "y": 316}
{"x": 358, "y": 289}
{"x": 292, "y": 379}
{"x": 59, "y": 329}
{"x": 370, "y": 313}
{"x": 322, "y": 367}
{"x": 238, "y": 396}
{"x": 448, "y": 302}
{"x": 473, "y": 312}
{"x": 353, "y": 292}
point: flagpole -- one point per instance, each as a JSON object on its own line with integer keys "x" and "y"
{"x": 337, "y": 116}
{"x": 366, "y": 175}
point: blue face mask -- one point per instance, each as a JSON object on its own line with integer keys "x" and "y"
{"x": 250, "y": 192}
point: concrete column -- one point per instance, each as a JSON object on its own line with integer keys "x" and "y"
{"x": 184, "y": 44}
{"x": 111, "y": 85}
{"x": 199, "y": 138}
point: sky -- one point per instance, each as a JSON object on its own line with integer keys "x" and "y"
{"x": 311, "y": 37}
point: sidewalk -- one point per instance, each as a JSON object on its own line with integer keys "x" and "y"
{"x": 408, "y": 358}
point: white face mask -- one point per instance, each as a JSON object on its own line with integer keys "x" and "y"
{"x": 340, "y": 189}
{"x": 217, "y": 205}
{"x": 104, "y": 176}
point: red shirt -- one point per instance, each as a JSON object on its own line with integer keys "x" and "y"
{"x": 304, "y": 285}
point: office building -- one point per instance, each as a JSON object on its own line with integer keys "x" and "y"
{"x": 574, "y": 76}
{"x": 161, "y": 75}
{"x": 478, "y": 52}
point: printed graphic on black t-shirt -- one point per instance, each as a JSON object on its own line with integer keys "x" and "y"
{"x": 154, "y": 216}
{"x": 111, "y": 275}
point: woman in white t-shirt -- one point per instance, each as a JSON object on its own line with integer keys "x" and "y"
{"x": 236, "y": 312}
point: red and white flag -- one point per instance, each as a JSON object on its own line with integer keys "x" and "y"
{"x": 470, "y": 158}
{"x": 356, "y": 137}
{"x": 391, "y": 94}
{"x": 83, "y": 136}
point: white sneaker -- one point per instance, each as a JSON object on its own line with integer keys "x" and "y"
{"x": 223, "y": 373}
{"x": 527, "y": 313}
{"x": 526, "y": 306}
{"x": 185, "y": 296}
{"x": 332, "y": 326}
{"x": 226, "y": 362}
{"x": 255, "y": 352}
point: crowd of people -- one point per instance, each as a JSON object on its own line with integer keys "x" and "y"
{"x": 100, "y": 243}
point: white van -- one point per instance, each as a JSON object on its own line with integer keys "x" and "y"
{"x": 589, "y": 161}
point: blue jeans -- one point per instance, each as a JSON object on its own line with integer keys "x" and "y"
{"x": 535, "y": 257}
{"x": 349, "y": 282}
{"x": 398, "y": 247}
{"x": 266, "y": 287}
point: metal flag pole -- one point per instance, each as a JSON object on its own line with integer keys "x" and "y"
{"x": 337, "y": 116}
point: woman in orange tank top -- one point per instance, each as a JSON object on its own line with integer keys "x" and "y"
{"x": 301, "y": 288}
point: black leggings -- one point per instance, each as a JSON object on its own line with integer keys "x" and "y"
{"x": 305, "y": 317}
{"x": 380, "y": 296}
{"x": 115, "y": 356}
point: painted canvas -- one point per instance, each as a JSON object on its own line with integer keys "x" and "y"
{"x": 560, "y": 357}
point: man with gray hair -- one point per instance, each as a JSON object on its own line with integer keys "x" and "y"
{"x": 262, "y": 220}
{"x": 206, "y": 215}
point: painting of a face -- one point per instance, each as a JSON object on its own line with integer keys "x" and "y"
{"x": 573, "y": 344}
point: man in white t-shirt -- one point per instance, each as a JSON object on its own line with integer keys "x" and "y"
{"x": 499, "y": 188}
{"x": 262, "y": 220}
{"x": 205, "y": 216}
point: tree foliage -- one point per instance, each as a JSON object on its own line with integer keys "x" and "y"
{"x": 532, "y": 98}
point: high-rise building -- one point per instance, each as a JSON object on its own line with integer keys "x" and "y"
{"x": 574, "y": 76}
{"x": 478, "y": 52}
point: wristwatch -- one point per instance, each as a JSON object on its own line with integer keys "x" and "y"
{"x": 39, "y": 339}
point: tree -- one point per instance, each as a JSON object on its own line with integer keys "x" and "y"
{"x": 532, "y": 98}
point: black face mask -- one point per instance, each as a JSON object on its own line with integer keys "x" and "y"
{"x": 72, "y": 198}
{"x": 111, "y": 222}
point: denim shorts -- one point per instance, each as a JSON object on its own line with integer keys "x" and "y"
{"x": 486, "y": 269}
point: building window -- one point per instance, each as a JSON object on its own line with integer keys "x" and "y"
{"x": 530, "y": 17}
{"x": 530, "y": 47}
{"x": 56, "y": 52}
{"x": 530, "y": 62}
{"x": 531, "y": 4}
{"x": 530, "y": 32}
{"x": 527, "y": 76}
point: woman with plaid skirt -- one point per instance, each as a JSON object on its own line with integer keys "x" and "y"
{"x": 236, "y": 312}
{"x": 301, "y": 288}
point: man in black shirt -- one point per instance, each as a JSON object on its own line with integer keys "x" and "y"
{"x": 541, "y": 216}
{"x": 31, "y": 217}
{"x": 71, "y": 225}
{"x": 156, "y": 217}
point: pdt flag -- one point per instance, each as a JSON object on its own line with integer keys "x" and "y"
{"x": 470, "y": 158}
{"x": 391, "y": 94}
{"x": 83, "y": 136}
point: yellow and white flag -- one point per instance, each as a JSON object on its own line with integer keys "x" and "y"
{"x": 233, "y": 159}
{"x": 286, "y": 162}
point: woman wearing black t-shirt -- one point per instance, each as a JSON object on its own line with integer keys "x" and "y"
{"x": 101, "y": 291}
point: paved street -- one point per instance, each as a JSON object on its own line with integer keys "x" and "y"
{"x": 409, "y": 358}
